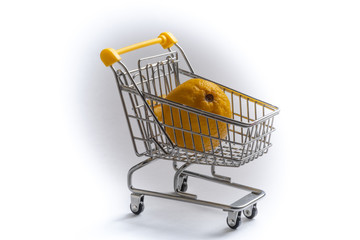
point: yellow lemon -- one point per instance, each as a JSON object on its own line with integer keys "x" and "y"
{"x": 200, "y": 94}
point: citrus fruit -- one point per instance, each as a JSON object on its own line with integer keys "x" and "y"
{"x": 156, "y": 108}
{"x": 201, "y": 94}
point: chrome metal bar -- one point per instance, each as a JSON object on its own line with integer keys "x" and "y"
{"x": 205, "y": 113}
{"x": 126, "y": 113}
{"x": 149, "y": 108}
{"x": 224, "y": 182}
{"x": 184, "y": 56}
{"x": 227, "y": 179}
{"x": 135, "y": 168}
{"x": 239, "y": 205}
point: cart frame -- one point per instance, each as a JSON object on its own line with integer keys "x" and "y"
{"x": 248, "y": 137}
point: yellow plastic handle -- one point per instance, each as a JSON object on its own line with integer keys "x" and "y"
{"x": 109, "y": 56}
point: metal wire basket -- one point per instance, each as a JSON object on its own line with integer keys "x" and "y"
{"x": 143, "y": 90}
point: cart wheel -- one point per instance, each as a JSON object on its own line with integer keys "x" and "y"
{"x": 234, "y": 220}
{"x": 184, "y": 185}
{"x": 137, "y": 203}
{"x": 137, "y": 209}
{"x": 251, "y": 212}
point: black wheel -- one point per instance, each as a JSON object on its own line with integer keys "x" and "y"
{"x": 137, "y": 209}
{"x": 250, "y": 213}
{"x": 234, "y": 224}
{"x": 184, "y": 185}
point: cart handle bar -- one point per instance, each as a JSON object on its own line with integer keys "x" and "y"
{"x": 109, "y": 56}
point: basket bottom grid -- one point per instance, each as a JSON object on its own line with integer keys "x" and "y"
{"x": 227, "y": 156}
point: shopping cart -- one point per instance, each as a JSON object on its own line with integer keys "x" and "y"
{"x": 143, "y": 89}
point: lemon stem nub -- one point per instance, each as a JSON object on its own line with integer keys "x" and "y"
{"x": 209, "y": 97}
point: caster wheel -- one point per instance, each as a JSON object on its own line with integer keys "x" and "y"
{"x": 137, "y": 203}
{"x": 137, "y": 209}
{"x": 234, "y": 223}
{"x": 251, "y": 212}
{"x": 184, "y": 185}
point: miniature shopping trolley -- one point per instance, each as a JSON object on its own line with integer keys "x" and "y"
{"x": 143, "y": 89}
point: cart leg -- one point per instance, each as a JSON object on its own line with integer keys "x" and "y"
{"x": 135, "y": 168}
{"x": 245, "y": 205}
{"x": 137, "y": 199}
{"x": 225, "y": 178}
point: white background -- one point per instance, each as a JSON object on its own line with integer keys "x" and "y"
{"x": 65, "y": 147}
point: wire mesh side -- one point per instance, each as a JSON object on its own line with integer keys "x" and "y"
{"x": 206, "y": 140}
{"x": 157, "y": 79}
{"x": 199, "y": 137}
